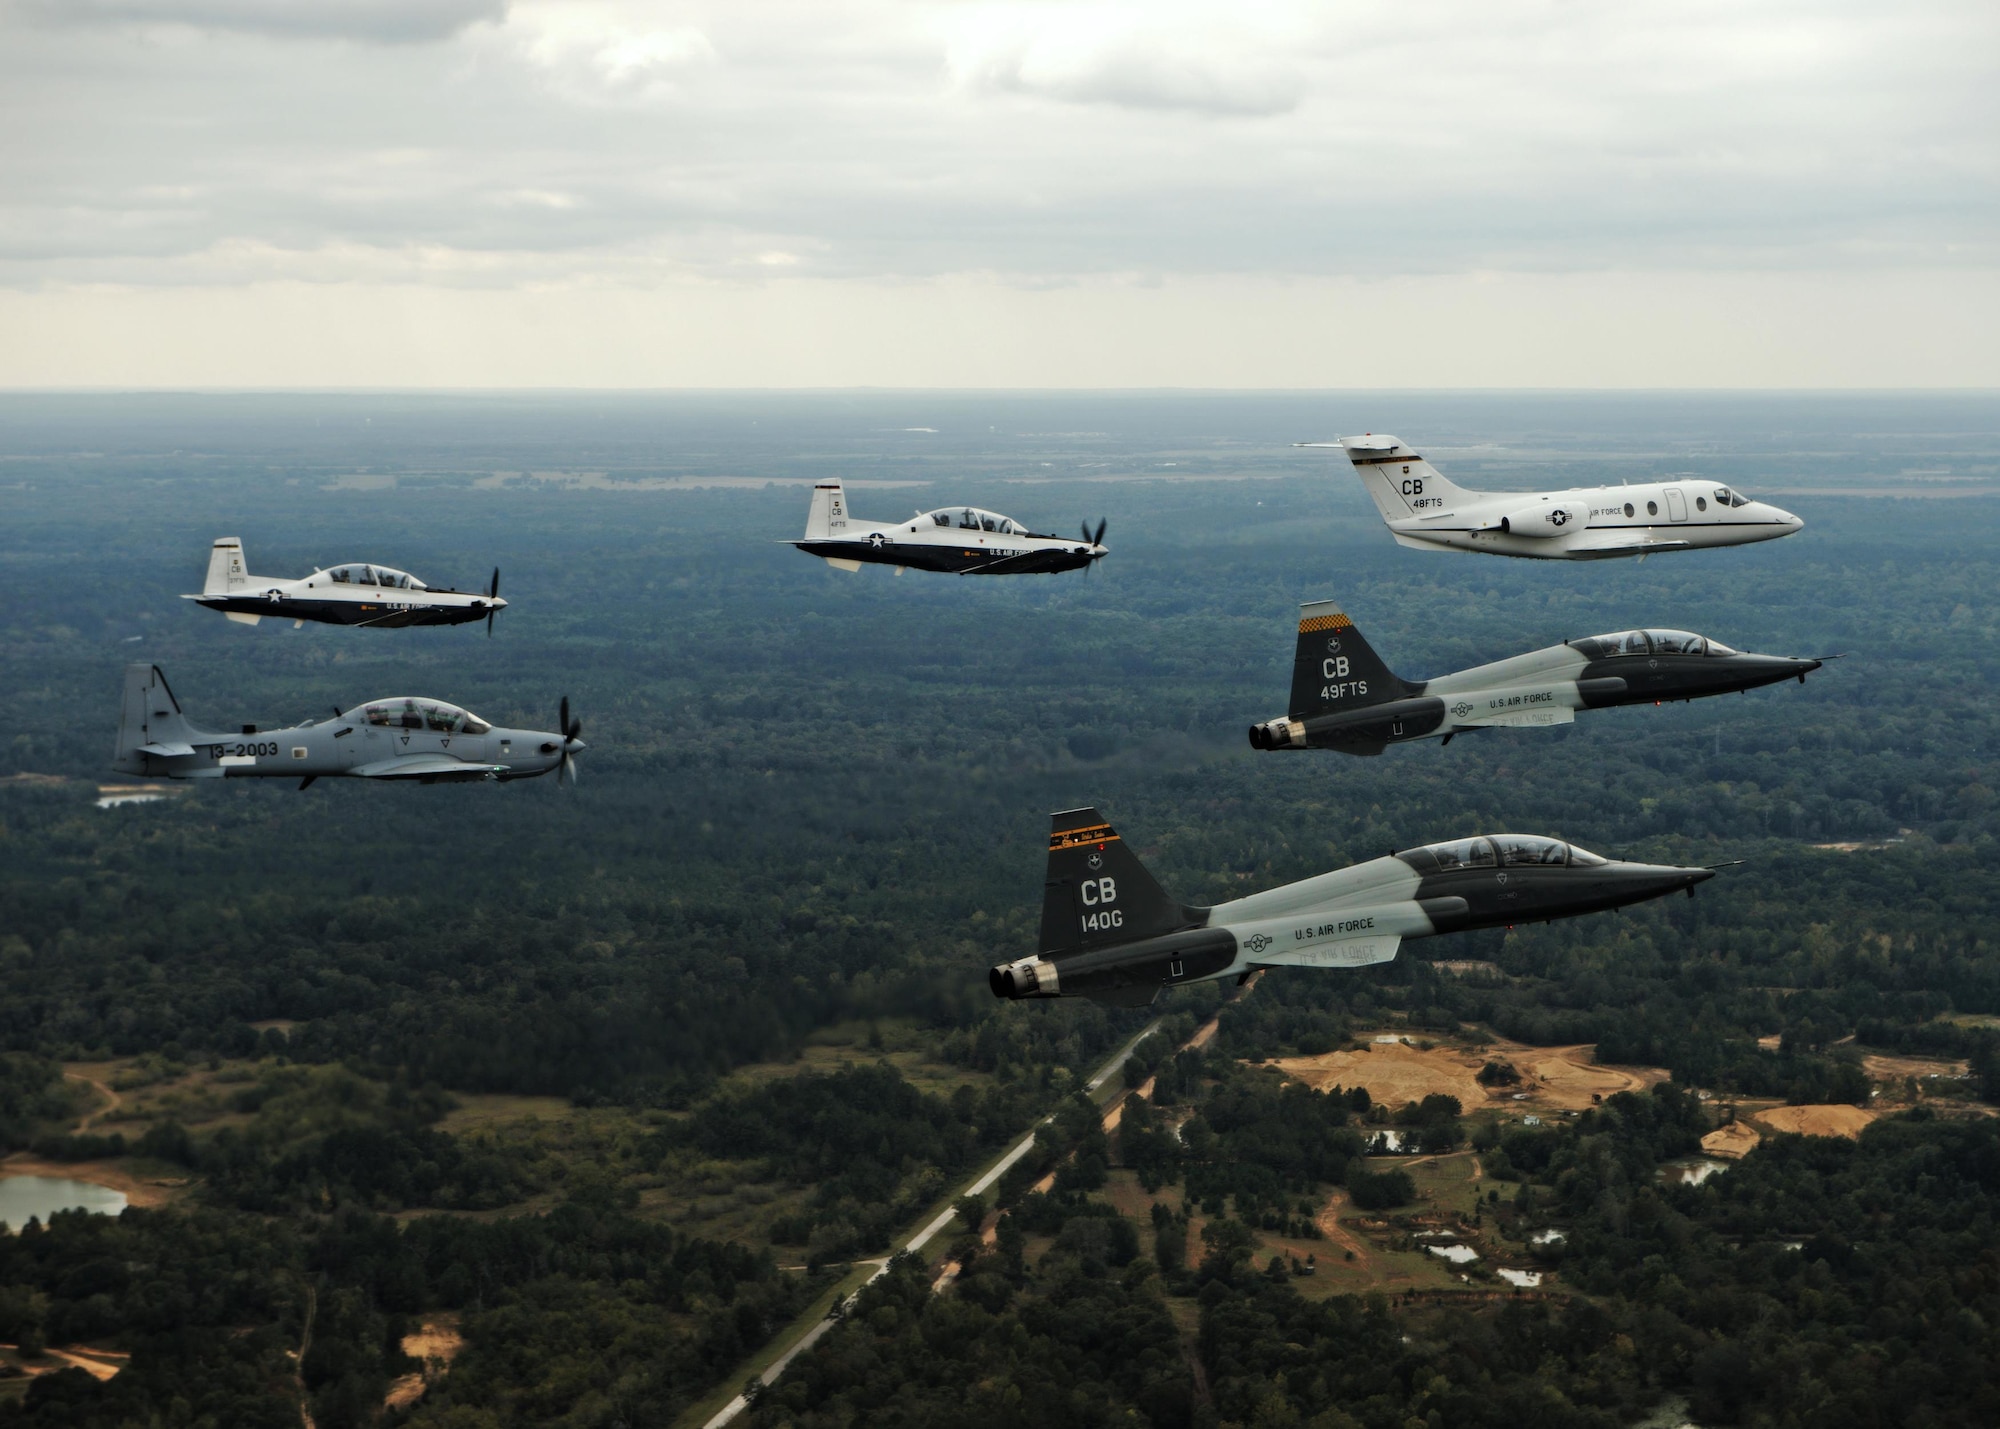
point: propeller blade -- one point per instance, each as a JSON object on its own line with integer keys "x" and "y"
{"x": 493, "y": 591}
{"x": 1086, "y": 533}
{"x": 562, "y": 718}
{"x": 1098, "y": 539}
{"x": 489, "y": 623}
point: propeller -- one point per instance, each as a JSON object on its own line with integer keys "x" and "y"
{"x": 570, "y": 728}
{"x": 1096, "y": 538}
{"x": 492, "y": 594}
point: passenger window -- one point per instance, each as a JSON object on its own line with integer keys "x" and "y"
{"x": 1628, "y": 509}
{"x": 1701, "y": 503}
{"x": 1652, "y": 508}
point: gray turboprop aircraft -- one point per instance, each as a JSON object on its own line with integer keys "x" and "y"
{"x": 964, "y": 539}
{"x": 1345, "y": 698}
{"x": 1111, "y": 933}
{"x": 404, "y": 738}
{"x": 355, "y": 594}
{"x": 1424, "y": 510}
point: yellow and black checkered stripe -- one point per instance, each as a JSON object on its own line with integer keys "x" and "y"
{"x": 1313, "y": 624}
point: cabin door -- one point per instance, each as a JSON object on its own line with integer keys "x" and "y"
{"x": 1677, "y": 506}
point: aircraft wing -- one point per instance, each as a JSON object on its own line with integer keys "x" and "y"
{"x": 1621, "y": 543}
{"x": 1027, "y": 563}
{"x": 426, "y": 766}
{"x": 167, "y": 751}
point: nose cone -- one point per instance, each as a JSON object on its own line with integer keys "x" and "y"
{"x": 577, "y": 746}
{"x": 1638, "y": 882}
{"x": 498, "y": 602}
{"x": 1750, "y": 671}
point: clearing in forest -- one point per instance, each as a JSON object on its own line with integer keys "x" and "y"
{"x": 1839, "y": 1120}
{"x": 1395, "y": 1072}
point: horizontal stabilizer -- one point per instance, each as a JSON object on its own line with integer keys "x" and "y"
{"x": 167, "y": 751}
{"x": 426, "y": 766}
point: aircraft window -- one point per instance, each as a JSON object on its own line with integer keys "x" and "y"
{"x": 1701, "y": 503}
{"x": 472, "y": 724}
{"x": 1675, "y": 642}
{"x": 1517, "y": 850}
{"x": 1603, "y": 647}
{"x": 1723, "y": 498}
{"x": 1466, "y": 853}
{"x": 442, "y": 718}
{"x": 366, "y": 576}
{"x": 987, "y": 523}
{"x": 1628, "y": 509}
{"x": 340, "y": 574}
{"x": 382, "y": 715}
{"x": 968, "y": 521}
{"x": 941, "y": 518}
{"x": 1584, "y": 858}
{"x": 1716, "y": 647}
{"x": 1652, "y": 508}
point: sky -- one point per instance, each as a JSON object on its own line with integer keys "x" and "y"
{"x": 624, "y": 193}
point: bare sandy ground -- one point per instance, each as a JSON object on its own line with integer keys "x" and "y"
{"x": 1816, "y": 1120}
{"x": 1883, "y": 1068}
{"x": 437, "y": 1344}
{"x": 145, "y": 1194}
{"x": 1732, "y": 1142}
{"x": 1556, "y": 1078}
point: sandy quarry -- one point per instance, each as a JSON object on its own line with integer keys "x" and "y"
{"x": 1815, "y": 1120}
{"x": 1732, "y": 1142}
{"x": 1558, "y": 1078}
{"x": 1883, "y": 1068}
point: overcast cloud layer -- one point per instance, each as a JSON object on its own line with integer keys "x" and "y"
{"x": 523, "y": 149}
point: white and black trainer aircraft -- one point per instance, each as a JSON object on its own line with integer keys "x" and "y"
{"x": 427, "y": 741}
{"x": 1425, "y": 511}
{"x": 964, "y": 539}
{"x": 1345, "y": 698}
{"x": 1111, "y": 933}
{"x": 358, "y": 593}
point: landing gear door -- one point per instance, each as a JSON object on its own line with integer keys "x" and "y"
{"x": 1677, "y": 506}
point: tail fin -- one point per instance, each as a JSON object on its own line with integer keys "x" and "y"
{"x": 149, "y": 721}
{"x": 226, "y": 572}
{"x": 1402, "y": 483}
{"x": 828, "y": 517}
{"x": 1335, "y": 668}
{"x": 1097, "y": 892}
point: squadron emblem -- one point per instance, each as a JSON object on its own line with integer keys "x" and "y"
{"x": 1096, "y": 860}
{"x": 1333, "y": 645}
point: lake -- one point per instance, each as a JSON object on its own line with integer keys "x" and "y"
{"x": 39, "y": 1197}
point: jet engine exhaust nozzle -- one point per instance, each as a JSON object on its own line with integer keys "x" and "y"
{"x": 1030, "y": 977}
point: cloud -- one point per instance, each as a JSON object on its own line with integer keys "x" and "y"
{"x": 609, "y": 53}
{"x": 1147, "y": 58}
{"x": 386, "y": 22}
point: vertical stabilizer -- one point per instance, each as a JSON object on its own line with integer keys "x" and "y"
{"x": 227, "y": 575}
{"x": 149, "y": 721}
{"x": 1335, "y": 668}
{"x": 1097, "y": 891}
{"x": 828, "y": 518}
{"x": 1401, "y": 483}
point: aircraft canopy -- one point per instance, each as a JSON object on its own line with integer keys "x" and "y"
{"x": 971, "y": 518}
{"x": 375, "y": 576}
{"x": 1725, "y": 497}
{"x": 1648, "y": 642}
{"x": 1499, "y": 851}
{"x": 433, "y": 715}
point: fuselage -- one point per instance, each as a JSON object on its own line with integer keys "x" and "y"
{"x": 1591, "y": 523}
{"x": 965, "y": 540}
{"x": 1542, "y": 687}
{"x": 1356, "y": 916}
{"x": 358, "y": 593}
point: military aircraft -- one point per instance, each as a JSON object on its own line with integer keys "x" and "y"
{"x": 354, "y": 594}
{"x": 964, "y": 539}
{"x": 1109, "y": 932}
{"x": 1424, "y": 510}
{"x": 1345, "y": 698}
{"x": 402, "y": 738}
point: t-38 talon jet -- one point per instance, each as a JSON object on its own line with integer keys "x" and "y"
{"x": 1424, "y": 510}
{"x": 1343, "y": 696}
{"x": 1109, "y": 932}
{"x": 403, "y": 738}
{"x": 355, "y": 594}
{"x": 964, "y": 539}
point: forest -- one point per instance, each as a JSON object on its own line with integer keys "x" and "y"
{"x": 619, "y": 1080}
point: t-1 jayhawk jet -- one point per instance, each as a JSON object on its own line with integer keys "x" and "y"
{"x": 1424, "y": 510}
{"x": 1345, "y": 698}
{"x": 964, "y": 539}
{"x": 354, "y": 594}
{"x": 428, "y": 741}
{"x": 1111, "y": 933}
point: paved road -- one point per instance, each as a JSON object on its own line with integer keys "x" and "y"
{"x": 922, "y": 1238}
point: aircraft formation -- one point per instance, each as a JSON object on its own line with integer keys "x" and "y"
{"x": 1109, "y": 931}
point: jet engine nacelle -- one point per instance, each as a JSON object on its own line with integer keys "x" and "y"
{"x": 1277, "y": 734}
{"x": 1030, "y": 977}
{"x": 1546, "y": 518}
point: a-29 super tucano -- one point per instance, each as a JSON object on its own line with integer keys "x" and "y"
{"x": 406, "y": 738}
{"x": 358, "y": 593}
{"x": 1345, "y": 698}
{"x": 1111, "y": 933}
{"x": 964, "y": 539}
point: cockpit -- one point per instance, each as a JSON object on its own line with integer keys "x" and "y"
{"x": 1499, "y": 851}
{"x": 1725, "y": 497}
{"x": 971, "y": 518}
{"x": 1648, "y": 642}
{"x": 433, "y": 715}
{"x": 375, "y": 576}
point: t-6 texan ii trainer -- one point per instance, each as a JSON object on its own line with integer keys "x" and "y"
{"x": 964, "y": 539}
{"x": 404, "y": 738}
{"x": 1424, "y": 510}
{"x": 1111, "y": 933}
{"x": 355, "y": 594}
{"x": 1343, "y": 696}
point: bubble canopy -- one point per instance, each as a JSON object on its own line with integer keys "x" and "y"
{"x": 361, "y": 573}
{"x": 1500, "y": 851}
{"x": 433, "y": 715}
{"x": 970, "y": 518}
{"x": 1648, "y": 642}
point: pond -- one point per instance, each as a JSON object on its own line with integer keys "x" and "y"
{"x": 39, "y": 1197}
